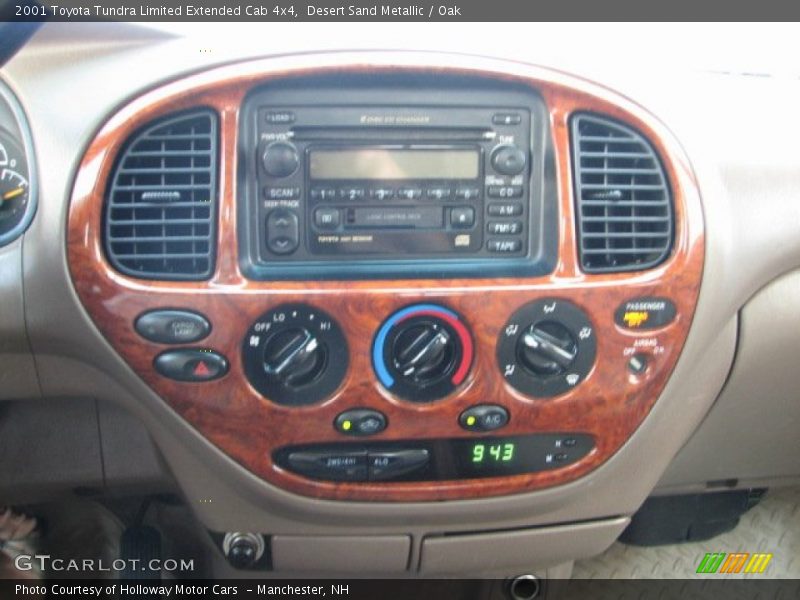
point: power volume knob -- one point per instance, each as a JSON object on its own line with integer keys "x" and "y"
{"x": 547, "y": 348}
{"x": 280, "y": 159}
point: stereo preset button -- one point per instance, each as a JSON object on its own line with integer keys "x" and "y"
{"x": 281, "y": 193}
{"x": 505, "y": 227}
{"x": 409, "y": 193}
{"x": 333, "y": 466}
{"x": 323, "y": 193}
{"x": 504, "y": 246}
{"x": 283, "y": 231}
{"x": 381, "y": 193}
{"x": 392, "y": 464}
{"x": 462, "y": 217}
{"x": 468, "y": 193}
{"x": 191, "y": 365}
{"x": 506, "y": 118}
{"x": 483, "y": 417}
{"x": 326, "y": 218}
{"x": 504, "y": 191}
{"x": 172, "y": 326}
{"x": 360, "y": 422}
{"x": 505, "y": 210}
{"x": 438, "y": 193}
{"x": 351, "y": 193}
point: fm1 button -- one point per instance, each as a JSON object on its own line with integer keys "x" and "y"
{"x": 360, "y": 422}
{"x": 191, "y": 365}
{"x": 484, "y": 417}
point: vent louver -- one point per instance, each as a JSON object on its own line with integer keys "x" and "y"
{"x": 161, "y": 206}
{"x": 624, "y": 205}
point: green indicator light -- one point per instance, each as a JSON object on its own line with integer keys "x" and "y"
{"x": 471, "y": 421}
{"x": 347, "y": 425}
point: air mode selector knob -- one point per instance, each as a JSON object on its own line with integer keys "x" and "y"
{"x": 295, "y": 354}
{"x": 547, "y": 348}
{"x": 509, "y": 160}
{"x": 422, "y": 352}
{"x": 280, "y": 159}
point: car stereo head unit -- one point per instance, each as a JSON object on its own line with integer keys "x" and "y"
{"x": 350, "y": 185}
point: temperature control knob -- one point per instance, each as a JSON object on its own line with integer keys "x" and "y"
{"x": 280, "y": 159}
{"x": 295, "y": 354}
{"x": 422, "y": 352}
{"x": 547, "y": 348}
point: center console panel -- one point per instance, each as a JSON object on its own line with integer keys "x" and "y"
{"x": 400, "y": 305}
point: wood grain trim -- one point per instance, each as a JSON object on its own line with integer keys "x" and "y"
{"x": 610, "y": 404}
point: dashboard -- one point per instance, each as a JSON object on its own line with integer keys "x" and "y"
{"x": 398, "y": 305}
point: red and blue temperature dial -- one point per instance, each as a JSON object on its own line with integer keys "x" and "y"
{"x": 422, "y": 352}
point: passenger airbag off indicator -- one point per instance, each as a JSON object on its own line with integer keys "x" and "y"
{"x": 645, "y": 313}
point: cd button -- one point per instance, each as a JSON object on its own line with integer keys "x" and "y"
{"x": 462, "y": 217}
{"x": 351, "y": 193}
{"x": 505, "y": 210}
{"x": 505, "y": 191}
{"x": 381, "y": 193}
{"x": 505, "y": 227}
{"x": 468, "y": 193}
{"x": 504, "y": 246}
{"x": 326, "y": 218}
{"x": 438, "y": 193}
{"x": 323, "y": 193}
{"x": 409, "y": 193}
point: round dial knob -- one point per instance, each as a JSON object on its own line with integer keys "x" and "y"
{"x": 294, "y": 357}
{"x": 280, "y": 159}
{"x": 295, "y": 354}
{"x": 547, "y": 348}
{"x": 422, "y": 352}
{"x": 509, "y": 160}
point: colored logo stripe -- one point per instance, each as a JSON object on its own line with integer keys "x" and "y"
{"x": 714, "y": 562}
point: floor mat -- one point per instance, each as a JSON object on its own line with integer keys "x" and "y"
{"x": 773, "y": 526}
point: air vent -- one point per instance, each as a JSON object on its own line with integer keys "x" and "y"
{"x": 624, "y": 205}
{"x": 161, "y": 207}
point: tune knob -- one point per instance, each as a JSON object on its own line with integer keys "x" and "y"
{"x": 422, "y": 352}
{"x": 295, "y": 354}
{"x": 547, "y": 348}
{"x": 294, "y": 357}
{"x": 280, "y": 159}
{"x": 509, "y": 160}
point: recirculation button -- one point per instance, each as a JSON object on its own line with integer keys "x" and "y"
{"x": 360, "y": 422}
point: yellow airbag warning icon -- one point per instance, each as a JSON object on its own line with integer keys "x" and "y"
{"x": 635, "y": 318}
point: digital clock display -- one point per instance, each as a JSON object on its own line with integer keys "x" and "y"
{"x": 493, "y": 452}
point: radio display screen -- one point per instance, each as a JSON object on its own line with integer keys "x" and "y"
{"x": 381, "y": 163}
